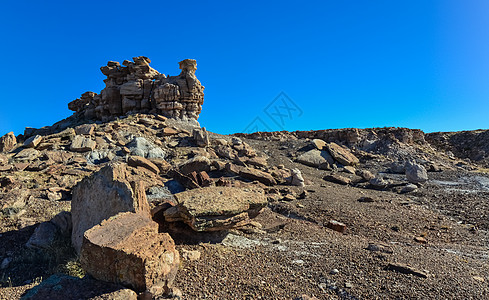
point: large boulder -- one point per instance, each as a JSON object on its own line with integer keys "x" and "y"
{"x": 342, "y": 155}
{"x": 127, "y": 249}
{"x": 416, "y": 173}
{"x": 33, "y": 141}
{"x": 216, "y": 208}
{"x": 316, "y": 158}
{"x": 8, "y": 142}
{"x": 102, "y": 195}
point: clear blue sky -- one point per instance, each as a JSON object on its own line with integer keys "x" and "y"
{"x": 418, "y": 63}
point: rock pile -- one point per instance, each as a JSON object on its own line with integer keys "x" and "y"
{"x": 136, "y": 87}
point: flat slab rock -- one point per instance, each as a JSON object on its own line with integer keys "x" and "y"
{"x": 128, "y": 250}
{"x": 216, "y": 208}
{"x": 64, "y": 287}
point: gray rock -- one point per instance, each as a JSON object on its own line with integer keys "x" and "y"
{"x": 296, "y": 178}
{"x": 85, "y": 129}
{"x": 43, "y": 236}
{"x": 378, "y": 183}
{"x": 398, "y": 167}
{"x": 416, "y": 173}
{"x": 57, "y": 287}
{"x": 316, "y": 158}
{"x": 409, "y": 188}
{"x": 142, "y": 147}
{"x": 27, "y": 154}
{"x": 100, "y": 156}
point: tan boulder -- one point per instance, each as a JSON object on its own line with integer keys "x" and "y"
{"x": 8, "y": 142}
{"x": 33, "y": 141}
{"x": 82, "y": 144}
{"x": 127, "y": 249}
{"x": 102, "y": 195}
{"x": 342, "y": 155}
{"x": 216, "y": 208}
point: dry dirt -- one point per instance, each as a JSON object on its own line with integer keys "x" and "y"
{"x": 295, "y": 253}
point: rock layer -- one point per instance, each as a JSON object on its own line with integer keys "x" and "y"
{"x": 135, "y": 87}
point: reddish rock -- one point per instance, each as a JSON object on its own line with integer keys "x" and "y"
{"x": 127, "y": 249}
{"x": 342, "y": 155}
{"x": 337, "y": 179}
{"x": 162, "y": 164}
{"x": 336, "y": 226}
{"x": 139, "y": 161}
{"x": 103, "y": 195}
{"x": 85, "y": 129}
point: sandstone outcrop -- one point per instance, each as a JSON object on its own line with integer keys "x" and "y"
{"x": 103, "y": 195}
{"x": 136, "y": 87}
{"x": 127, "y": 249}
{"x": 7, "y": 142}
{"x": 216, "y": 208}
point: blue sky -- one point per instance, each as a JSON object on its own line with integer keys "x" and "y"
{"x": 265, "y": 64}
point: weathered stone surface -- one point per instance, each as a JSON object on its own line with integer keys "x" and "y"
{"x": 27, "y": 155}
{"x": 342, "y": 155}
{"x": 365, "y": 174}
{"x": 64, "y": 287}
{"x": 318, "y": 144}
{"x": 103, "y": 195}
{"x": 162, "y": 164}
{"x": 216, "y": 208}
{"x": 3, "y": 159}
{"x": 8, "y": 142}
{"x": 127, "y": 249}
{"x": 296, "y": 178}
{"x": 416, "y": 173}
{"x": 140, "y": 146}
{"x": 82, "y": 144}
{"x": 195, "y": 164}
{"x": 254, "y": 174}
{"x": 405, "y": 269}
{"x": 138, "y": 161}
{"x": 136, "y": 87}
{"x": 201, "y": 137}
{"x": 337, "y": 179}
{"x": 85, "y": 129}
{"x": 317, "y": 159}
{"x": 33, "y": 141}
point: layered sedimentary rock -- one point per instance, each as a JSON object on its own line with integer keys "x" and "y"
{"x": 135, "y": 87}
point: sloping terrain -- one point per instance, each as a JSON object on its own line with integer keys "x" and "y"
{"x": 343, "y": 235}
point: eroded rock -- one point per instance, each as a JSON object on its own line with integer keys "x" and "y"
{"x": 216, "y": 208}
{"x": 127, "y": 249}
{"x": 103, "y": 195}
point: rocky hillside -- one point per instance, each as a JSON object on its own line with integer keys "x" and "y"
{"x": 129, "y": 199}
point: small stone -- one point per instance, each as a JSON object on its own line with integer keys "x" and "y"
{"x": 405, "y": 269}
{"x": 348, "y": 285}
{"x": 420, "y": 240}
{"x": 337, "y": 179}
{"x": 288, "y": 197}
{"x": 82, "y": 144}
{"x": 190, "y": 255}
{"x": 336, "y": 226}
{"x": 349, "y": 169}
{"x": 296, "y": 177}
{"x": 409, "y": 188}
{"x": 477, "y": 278}
{"x": 366, "y": 199}
{"x": 334, "y": 272}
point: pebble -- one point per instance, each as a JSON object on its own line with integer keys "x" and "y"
{"x": 334, "y": 272}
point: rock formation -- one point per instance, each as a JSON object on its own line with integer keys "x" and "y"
{"x": 135, "y": 87}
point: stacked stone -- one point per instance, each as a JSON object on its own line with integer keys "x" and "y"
{"x": 135, "y": 87}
